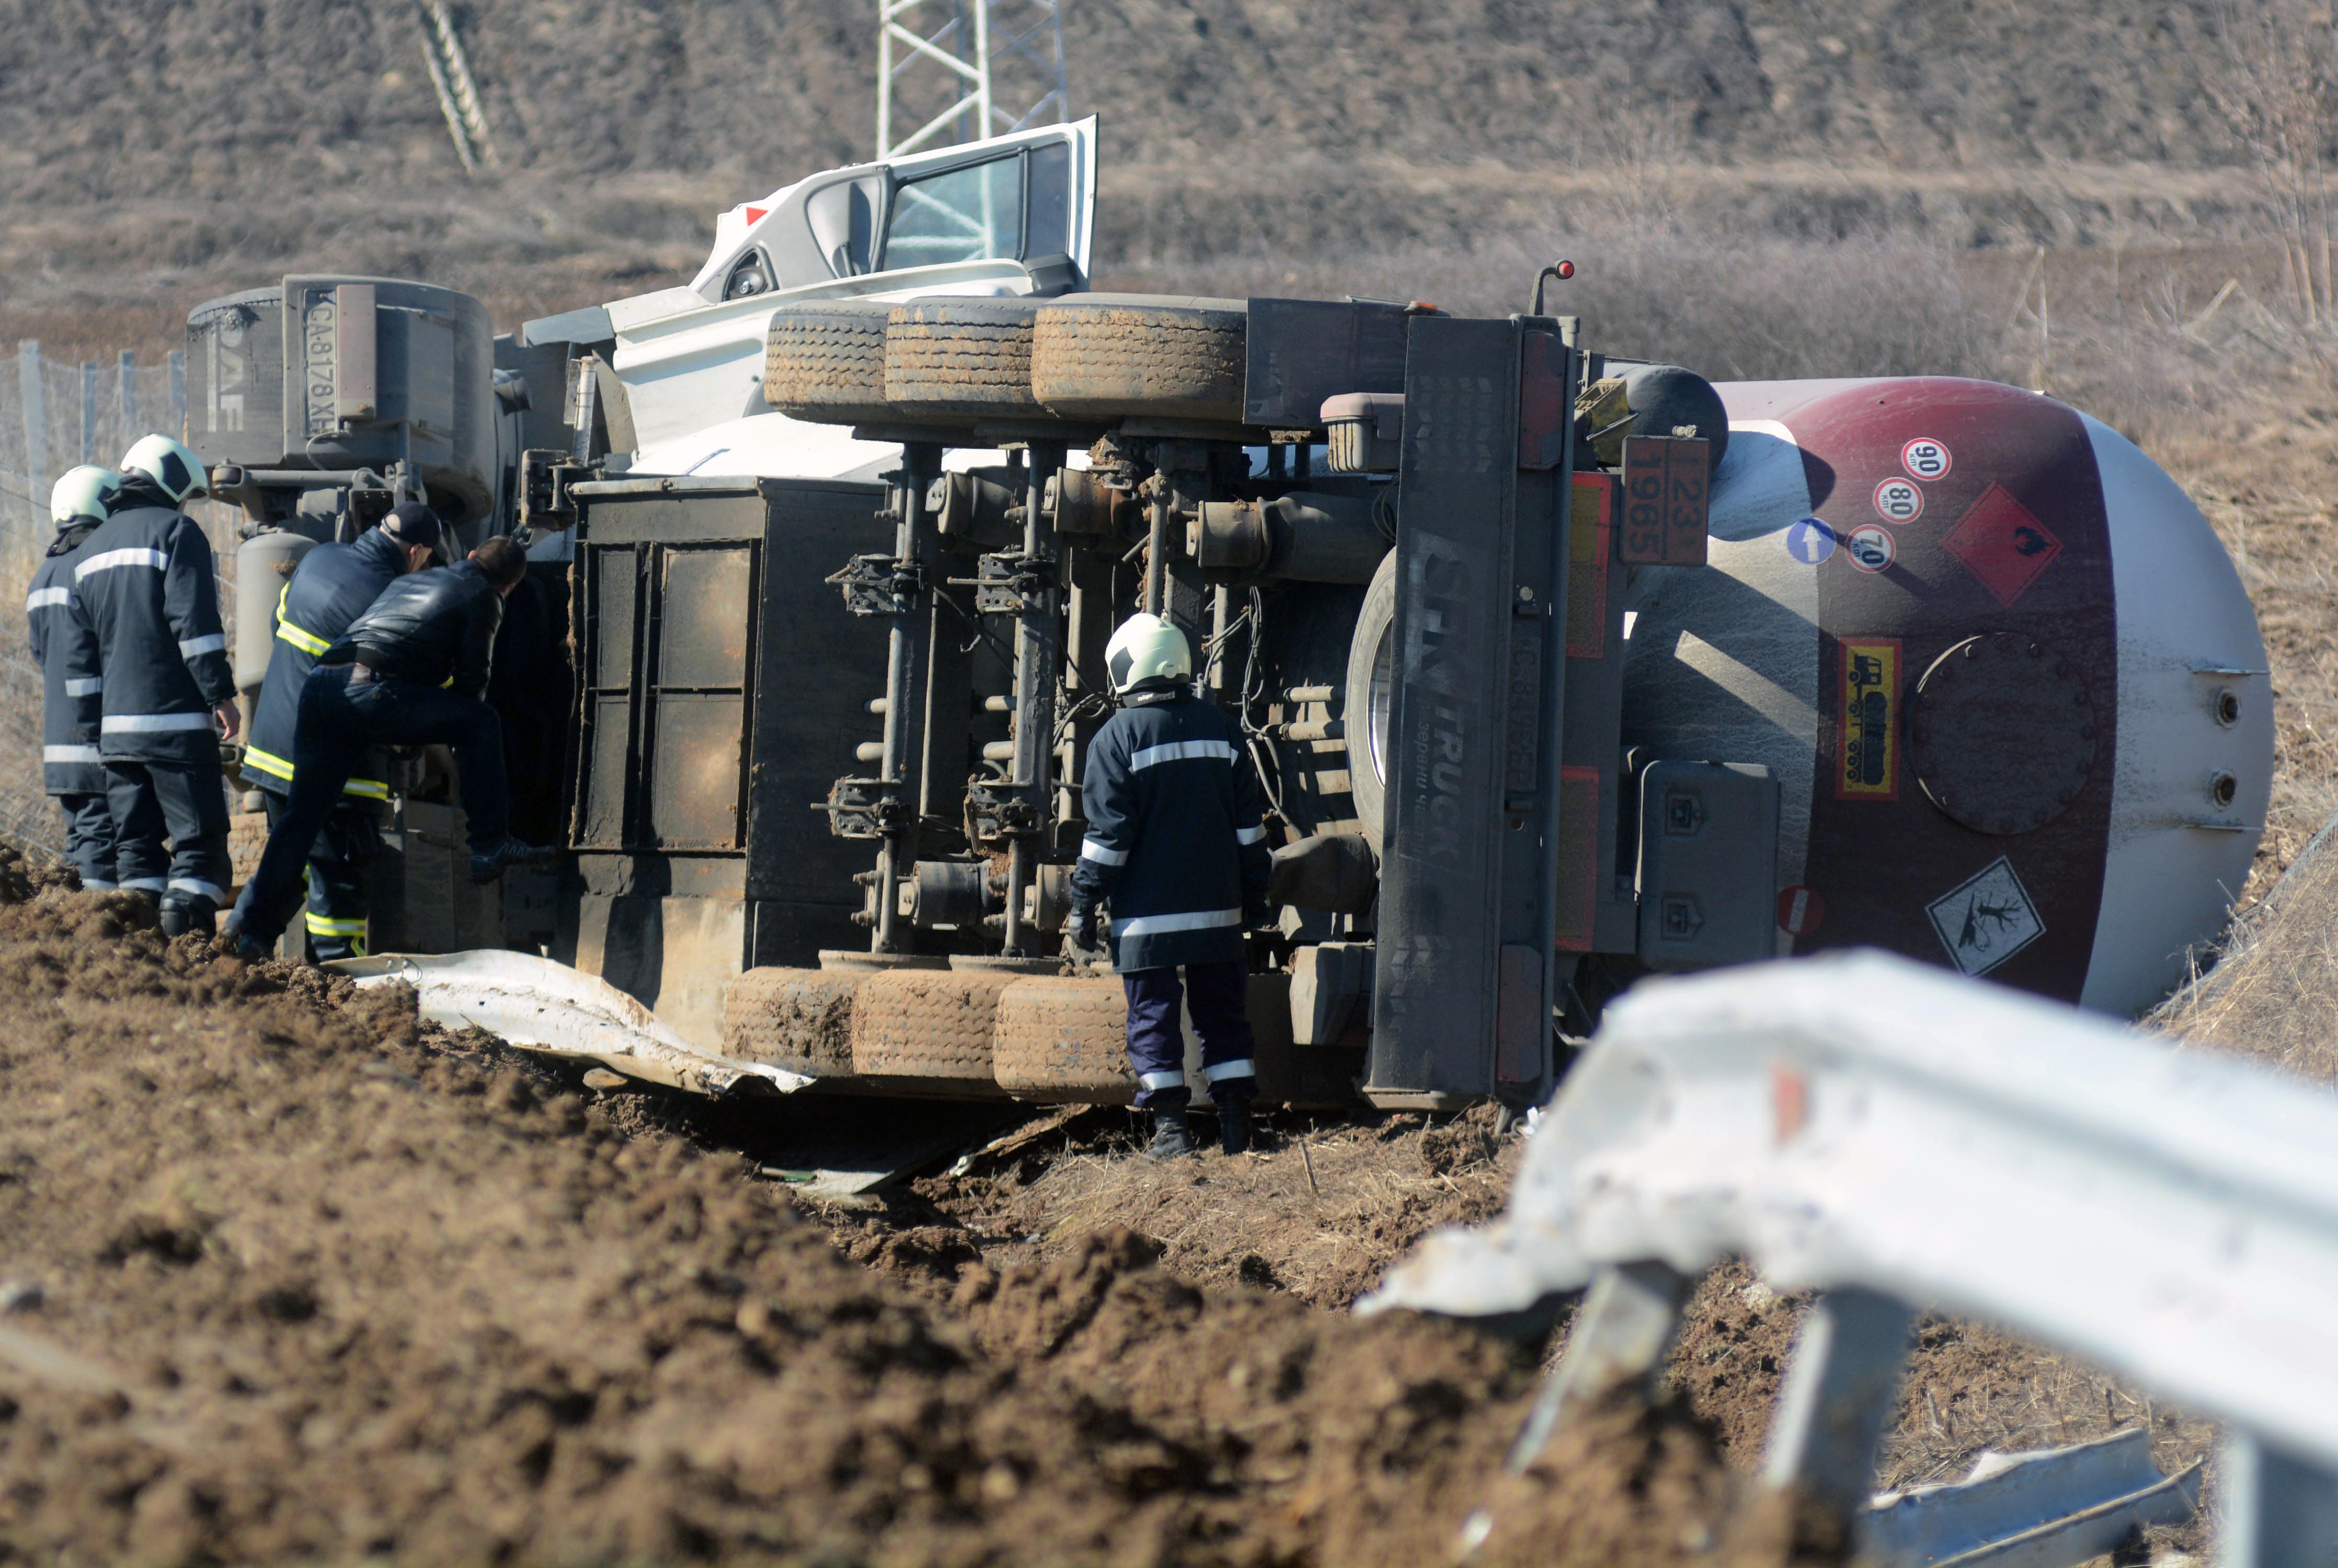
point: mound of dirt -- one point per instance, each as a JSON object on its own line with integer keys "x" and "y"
{"x": 291, "y": 1279}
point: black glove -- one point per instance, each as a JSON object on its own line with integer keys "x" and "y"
{"x": 1257, "y": 913}
{"x": 1083, "y": 932}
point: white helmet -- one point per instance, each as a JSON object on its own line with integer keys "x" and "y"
{"x": 88, "y": 491}
{"x": 168, "y": 464}
{"x": 1147, "y": 648}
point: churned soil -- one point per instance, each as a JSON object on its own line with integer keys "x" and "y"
{"x": 287, "y": 1277}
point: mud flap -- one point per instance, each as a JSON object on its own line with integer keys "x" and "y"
{"x": 1465, "y": 967}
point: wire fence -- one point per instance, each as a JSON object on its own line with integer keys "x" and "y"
{"x": 54, "y": 415}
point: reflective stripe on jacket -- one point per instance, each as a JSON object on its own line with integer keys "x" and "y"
{"x": 70, "y": 762}
{"x": 145, "y": 583}
{"x": 1174, "y": 839}
{"x": 332, "y": 586}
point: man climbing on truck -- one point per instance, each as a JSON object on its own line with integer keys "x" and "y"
{"x": 334, "y": 585}
{"x": 1174, "y": 845}
{"x": 412, "y": 671}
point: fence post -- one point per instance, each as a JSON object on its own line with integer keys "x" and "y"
{"x": 179, "y": 392}
{"x": 36, "y": 426}
{"x": 129, "y": 375}
{"x": 89, "y": 410}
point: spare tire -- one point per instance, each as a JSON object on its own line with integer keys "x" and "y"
{"x": 1110, "y": 357}
{"x": 928, "y": 1028}
{"x": 824, "y": 360}
{"x": 800, "y": 1020}
{"x": 1367, "y": 706}
{"x": 1064, "y": 1040}
{"x": 961, "y": 357}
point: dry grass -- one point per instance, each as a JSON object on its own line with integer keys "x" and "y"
{"x": 1319, "y": 1210}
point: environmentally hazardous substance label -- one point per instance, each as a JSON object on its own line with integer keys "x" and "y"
{"x": 1898, "y": 500}
{"x": 1870, "y": 548}
{"x": 1987, "y": 919}
{"x": 1866, "y": 758}
{"x": 1925, "y": 458}
{"x": 2003, "y": 543}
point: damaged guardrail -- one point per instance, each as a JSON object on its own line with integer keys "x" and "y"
{"x": 1899, "y": 1139}
{"x": 540, "y": 1006}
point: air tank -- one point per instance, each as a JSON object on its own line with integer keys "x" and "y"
{"x": 335, "y": 374}
{"x": 2005, "y": 671}
{"x": 264, "y": 563}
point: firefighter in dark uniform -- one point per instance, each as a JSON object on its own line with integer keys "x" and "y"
{"x": 333, "y": 585}
{"x": 145, "y": 584}
{"x": 70, "y": 768}
{"x": 409, "y": 671}
{"x": 1174, "y": 846}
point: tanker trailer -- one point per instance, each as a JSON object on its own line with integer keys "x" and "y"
{"x": 1555, "y": 670}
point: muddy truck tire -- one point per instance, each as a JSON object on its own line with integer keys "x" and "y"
{"x": 1065, "y": 1040}
{"x": 1106, "y": 359}
{"x": 798, "y": 1020}
{"x": 824, "y": 360}
{"x": 960, "y": 357}
{"x": 928, "y": 1030}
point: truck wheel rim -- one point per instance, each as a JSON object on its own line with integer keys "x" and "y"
{"x": 1383, "y": 696}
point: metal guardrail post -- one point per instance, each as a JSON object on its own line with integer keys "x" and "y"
{"x": 89, "y": 410}
{"x": 1837, "y": 1397}
{"x": 179, "y": 392}
{"x": 2277, "y": 1509}
{"x": 1623, "y": 1333}
{"x": 127, "y": 369}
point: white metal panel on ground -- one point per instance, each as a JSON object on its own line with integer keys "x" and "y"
{"x": 542, "y": 1005}
{"x": 1865, "y": 1122}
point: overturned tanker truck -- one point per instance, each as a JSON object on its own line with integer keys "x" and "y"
{"x": 1557, "y": 668}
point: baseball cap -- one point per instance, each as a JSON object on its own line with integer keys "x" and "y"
{"x": 412, "y": 523}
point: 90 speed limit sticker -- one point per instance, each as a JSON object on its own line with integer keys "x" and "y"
{"x": 1870, "y": 548}
{"x": 1898, "y": 500}
{"x": 1925, "y": 458}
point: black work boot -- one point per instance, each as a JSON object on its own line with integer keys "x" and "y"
{"x": 1173, "y": 1139}
{"x": 181, "y": 916}
{"x": 1233, "y": 1124}
{"x": 491, "y": 866}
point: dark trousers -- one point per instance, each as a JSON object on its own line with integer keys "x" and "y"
{"x": 345, "y": 844}
{"x": 154, "y": 801}
{"x": 340, "y": 717}
{"x": 89, "y": 839}
{"x": 1218, "y": 995}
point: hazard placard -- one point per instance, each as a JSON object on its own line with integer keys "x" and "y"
{"x": 2002, "y": 543}
{"x": 1665, "y": 485}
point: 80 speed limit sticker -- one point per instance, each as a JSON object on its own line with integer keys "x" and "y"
{"x": 1899, "y": 500}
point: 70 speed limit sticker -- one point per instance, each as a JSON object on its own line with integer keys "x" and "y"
{"x": 1898, "y": 500}
{"x": 1870, "y": 548}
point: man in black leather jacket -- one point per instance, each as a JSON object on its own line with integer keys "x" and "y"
{"x": 411, "y": 670}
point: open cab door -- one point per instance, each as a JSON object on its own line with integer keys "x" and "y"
{"x": 1014, "y": 215}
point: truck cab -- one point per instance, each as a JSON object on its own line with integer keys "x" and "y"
{"x": 1010, "y": 217}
